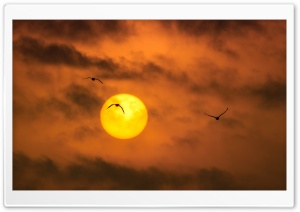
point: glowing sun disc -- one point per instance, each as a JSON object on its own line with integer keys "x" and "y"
{"x": 124, "y": 125}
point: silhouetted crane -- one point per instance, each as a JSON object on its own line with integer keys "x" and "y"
{"x": 117, "y": 105}
{"x": 93, "y": 78}
{"x": 217, "y": 117}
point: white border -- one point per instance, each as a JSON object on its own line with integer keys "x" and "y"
{"x": 147, "y": 198}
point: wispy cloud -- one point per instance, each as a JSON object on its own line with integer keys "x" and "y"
{"x": 84, "y": 99}
{"x": 33, "y": 50}
{"x": 84, "y": 31}
{"x": 98, "y": 174}
{"x": 215, "y": 28}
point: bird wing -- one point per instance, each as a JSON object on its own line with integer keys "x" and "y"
{"x": 109, "y": 106}
{"x": 122, "y": 108}
{"x": 99, "y": 80}
{"x": 223, "y": 112}
{"x": 209, "y": 115}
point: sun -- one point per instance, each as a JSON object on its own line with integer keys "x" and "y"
{"x": 127, "y": 124}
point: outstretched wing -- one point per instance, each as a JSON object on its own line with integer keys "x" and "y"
{"x": 223, "y": 112}
{"x": 99, "y": 80}
{"x": 209, "y": 115}
{"x": 122, "y": 108}
{"x": 109, "y": 106}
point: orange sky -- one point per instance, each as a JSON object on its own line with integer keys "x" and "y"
{"x": 180, "y": 70}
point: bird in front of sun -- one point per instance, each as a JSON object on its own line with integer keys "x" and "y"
{"x": 117, "y": 105}
{"x": 217, "y": 117}
{"x": 93, "y": 78}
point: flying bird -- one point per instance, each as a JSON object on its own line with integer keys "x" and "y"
{"x": 93, "y": 78}
{"x": 217, "y": 117}
{"x": 117, "y": 105}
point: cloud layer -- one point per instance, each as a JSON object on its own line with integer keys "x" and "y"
{"x": 97, "y": 174}
{"x": 180, "y": 70}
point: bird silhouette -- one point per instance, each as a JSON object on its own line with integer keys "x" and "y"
{"x": 93, "y": 78}
{"x": 217, "y": 117}
{"x": 117, "y": 105}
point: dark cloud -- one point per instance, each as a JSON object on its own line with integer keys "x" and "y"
{"x": 218, "y": 88}
{"x": 83, "y": 132}
{"x": 154, "y": 113}
{"x": 215, "y": 179}
{"x": 219, "y": 45}
{"x": 232, "y": 122}
{"x": 33, "y": 50}
{"x": 191, "y": 139}
{"x": 218, "y": 32}
{"x": 271, "y": 93}
{"x": 84, "y": 99}
{"x": 98, "y": 174}
{"x": 123, "y": 73}
{"x": 214, "y": 80}
{"x": 154, "y": 71}
{"x": 215, "y": 27}
{"x": 36, "y": 110}
{"x": 77, "y": 101}
{"x": 188, "y": 141}
{"x": 41, "y": 170}
{"x": 54, "y": 104}
{"x": 85, "y": 31}
{"x": 151, "y": 67}
{"x": 144, "y": 70}
{"x": 220, "y": 83}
